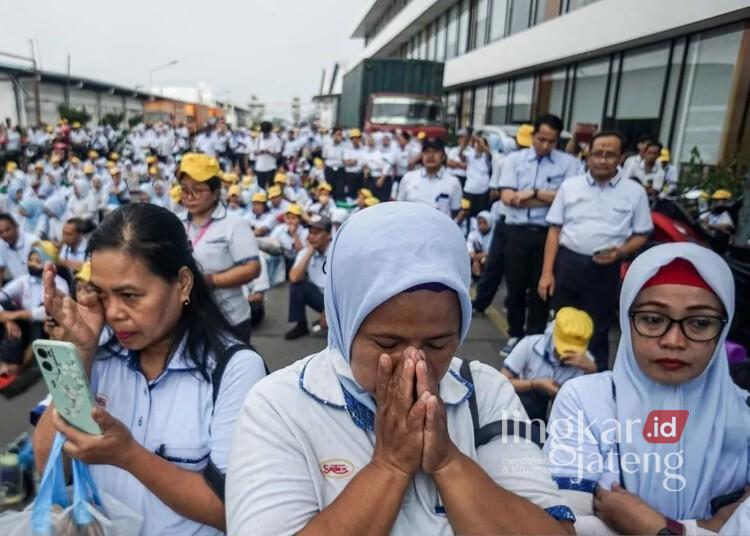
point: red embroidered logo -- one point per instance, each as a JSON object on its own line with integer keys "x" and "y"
{"x": 336, "y": 468}
{"x": 665, "y": 426}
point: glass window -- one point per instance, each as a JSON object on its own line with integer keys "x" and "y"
{"x": 466, "y": 107}
{"x": 498, "y": 16}
{"x": 452, "y": 33}
{"x": 499, "y": 104}
{"x": 422, "y": 40}
{"x": 463, "y": 28}
{"x": 431, "y": 42}
{"x": 451, "y": 109}
{"x": 590, "y": 85}
{"x": 642, "y": 82}
{"x": 523, "y": 97}
{"x": 546, "y": 10}
{"x": 520, "y": 11}
{"x": 669, "y": 101}
{"x": 480, "y": 28}
{"x": 441, "y": 34}
{"x": 578, "y": 4}
{"x": 552, "y": 92}
{"x": 481, "y": 94}
{"x": 705, "y": 93}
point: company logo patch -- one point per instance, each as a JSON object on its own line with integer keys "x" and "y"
{"x": 665, "y": 426}
{"x": 336, "y": 468}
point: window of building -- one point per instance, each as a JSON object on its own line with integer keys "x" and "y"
{"x": 422, "y": 39}
{"x": 441, "y": 36}
{"x": 463, "y": 27}
{"x": 546, "y": 10}
{"x": 431, "y": 39}
{"x": 480, "y": 26}
{"x": 467, "y": 107}
{"x": 642, "y": 82}
{"x": 523, "y": 98}
{"x": 499, "y": 104}
{"x": 589, "y": 90}
{"x": 520, "y": 15}
{"x": 705, "y": 93}
{"x": 481, "y": 97}
{"x": 670, "y": 98}
{"x": 451, "y": 109}
{"x": 551, "y": 94}
{"x": 498, "y": 19}
{"x": 452, "y": 46}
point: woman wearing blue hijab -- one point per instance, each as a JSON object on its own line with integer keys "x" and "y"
{"x": 649, "y": 446}
{"x": 35, "y": 219}
{"x": 375, "y": 435}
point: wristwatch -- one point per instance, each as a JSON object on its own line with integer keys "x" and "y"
{"x": 673, "y": 528}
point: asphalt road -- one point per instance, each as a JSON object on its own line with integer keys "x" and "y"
{"x": 485, "y": 338}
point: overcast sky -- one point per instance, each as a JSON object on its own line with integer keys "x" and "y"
{"x": 274, "y": 49}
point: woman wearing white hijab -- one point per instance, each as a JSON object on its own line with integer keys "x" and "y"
{"x": 676, "y": 307}
{"x": 375, "y": 433}
{"x": 82, "y": 203}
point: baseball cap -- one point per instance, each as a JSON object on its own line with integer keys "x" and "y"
{"x": 234, "y": 190}
{"x": 325, "y": 186}
{"x": 364, "y": 192}
{"x": 572, "y": 331}
{"x": 295, "y": 209}
{"x": 721, "y": 195}
{"x": 524, "y": 135}
{"x": 274, "y": 191}
{"x": 89, "y": 169}
{"x": 320, "y": 222}
{"x": 280, "y": 178}
{"x": 199, "y": 167}
{"x": 465, "y": 204}
{"x": 664, "y": 155}
{"x": 84, "y": 273}
{"x": 260, "y": 197}
{"x": 371, "y": 201}
{"x": 433, "y": 143}
{"x": 355, "y": 133}
{"x": 230, "y": 177}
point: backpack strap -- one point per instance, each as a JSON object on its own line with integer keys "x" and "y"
{"x": 485, "y": 434}
{"x": 212, "y": 474}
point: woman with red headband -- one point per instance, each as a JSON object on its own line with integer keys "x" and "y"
{"x": 660, "y": 444}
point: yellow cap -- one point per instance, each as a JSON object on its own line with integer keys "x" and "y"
{"x": 465, "y": 204}
{"x": 175, "y": 193}
{"x": 295, "y": 209}
{"x": 572, "y": 331}
{"x": 114, "y": 157}
{"x": 153, "y": 170}
{"x": 280, "y": 178}
{"x": 199, "y": 167}
{"x": 84, "y": 273}
{"x": 524, "y": 135}
{"x": 230, "y": 177}
{"x": 89, "y": 169}
{"x": 325, "y": 187}
{"x": 150, "y": 159}
{"x": 46, "y": 250}
{"x": 370, "y": 201}
{"x": 114, "y": 170}
{"x": 364, "y": 192}
{"x": 421, "y": 135}
{"x": 260, "y": 197}
{"x": 274, "y": 191}
{"x": 318, "y": 163}
{"x": 355, "y": 133}
{"x": 234, "y": 190}
{"x": 76, "y": 124}
{"x": 664, "y": 155}
{"x": 11, "y": 166}
{"x": 721, "y": 195}
{"x": 93, "y": 155}
{"x": 50, "y": 129}
{"x": 247, "y": 180}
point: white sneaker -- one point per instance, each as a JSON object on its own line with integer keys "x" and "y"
{"x": 508, "y": 348}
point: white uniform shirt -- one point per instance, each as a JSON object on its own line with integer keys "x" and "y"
{"x": 77, "y": 253}
{"x": 454, "y": 153}
{"x": 531, "y": 359}
{"x": 296, "y": 448}
{"x": 173, "y": 415}
{"x": 375, "y": 162}
{"x": 204, "y": 143}
{"x": 267, "y": 162}
{"x": 315, "y": 267}
{"x": 443, "y": 191}
{"x": 223, "y": 243}
{"x": 350, "y": 153}
{"x": 16, "y": 259}
{"x": 478, "y": 171}
{"x": 284, "y": 237}
{"x": 595, "y": 217}
{"x": 27, "y": 292}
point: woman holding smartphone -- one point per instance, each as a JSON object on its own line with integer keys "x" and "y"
{"x": 166, "y": 414}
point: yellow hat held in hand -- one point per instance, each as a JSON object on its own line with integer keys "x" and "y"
{"x": 364, "y": 192}
{"x": 84, "y": 273}
{"x": 46, "y": 250}
{"x": 274, "y": 191}
{"x": 465, "y": 204}
{"x": 260, "y": 197}
{"x": 721, "y": 195}
{"x": 199, "y": 167}
{"x": 295, "y": 209}
{"x": 524, "y": 135}
{"x": 572, "y": 331}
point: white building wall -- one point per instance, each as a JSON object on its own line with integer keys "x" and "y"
{"x": 8, "y": 101}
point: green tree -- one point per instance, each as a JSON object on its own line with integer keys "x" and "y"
{"x": 73, "y": 114}
{"x": 113, "y": 120}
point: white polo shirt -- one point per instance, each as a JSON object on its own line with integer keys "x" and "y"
{"x": 350, "y": 153}
{"x": 224, "y": 242}
{"x": 174, "y": 415}
{"x": 283, "y": 236}
{"x": 594, "y": 217}
{"x": 28, "y": 293}
{"x": 75, "y": 254}
{"x": 16, "y": 258}
{"x": 267, "y": 162}
{"x": 478, "y": 172}
{"x": 533, "y": 358}
{"x": 442, "y": 190}
{"x": 316, "y": 267}
{"x": 302, "y": 437}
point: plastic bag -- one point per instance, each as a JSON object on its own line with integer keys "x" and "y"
{"x": 79, "y": 510}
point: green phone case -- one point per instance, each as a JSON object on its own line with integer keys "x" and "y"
{"x": 67, "y": 383}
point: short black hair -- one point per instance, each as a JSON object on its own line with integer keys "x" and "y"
{"x": 643, "y": 138}
{"x": 7, "y": 217}
{"x": 79, "y": 224}
{"x": 657, "y": 143}
{"x": 609, "y": 134}
{"x": 552, "y": 121}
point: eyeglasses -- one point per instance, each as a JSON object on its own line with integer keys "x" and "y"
{"x": 601, "y": 155}
{"x": 699, "y": 328}
{"x": 194, "y": 193}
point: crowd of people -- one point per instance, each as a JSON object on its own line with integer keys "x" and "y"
{"x": 152, "y": 250}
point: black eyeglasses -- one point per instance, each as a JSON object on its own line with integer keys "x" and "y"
{"x": 698, "y": 328}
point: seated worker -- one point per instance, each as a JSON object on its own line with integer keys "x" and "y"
{"x": 307, "y": 278}
{"x": 325, "y": 204}
{"x": 261, "y": 220}
{"x": 478, "y": 242}
{"x": 291, "y": 234}
{"x": 363, "y": 194}
{"x": 22, "y": 309}
{"x": 719, "y": 218}
{"x": 660, "y": 444}
{"x": 540, "y": 364}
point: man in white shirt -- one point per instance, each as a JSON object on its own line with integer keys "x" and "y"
{"x": 267, "y": 151}
{"x": 204, "y": 142}
{"x": 333, "y": 156}
{"x": 73, "y": 252}
{"x": 15, "y": 246}
{"x": 307, "y": 278}
{"x": 596, "y": 220}
{"x": 456, "y": 161}
{"x": 649, "y": 172}
{"x": 432, "y": 184}
{"x": 353, "y": 163}
{"x": 478, "y": 171}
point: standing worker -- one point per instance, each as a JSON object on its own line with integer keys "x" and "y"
{"x": 528, "y": 184}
